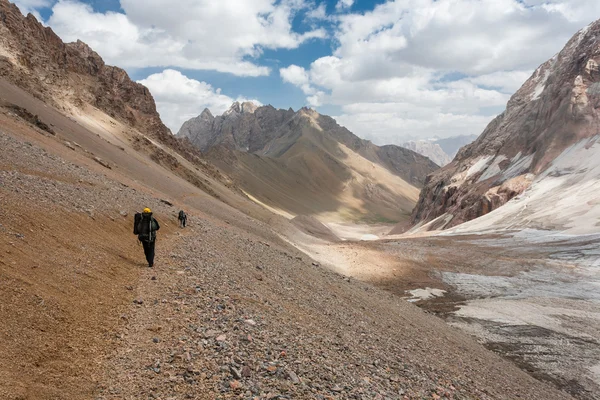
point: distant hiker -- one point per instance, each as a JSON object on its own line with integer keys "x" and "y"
{"x": 182, "y": 219}
{"x": 145, "y": 226}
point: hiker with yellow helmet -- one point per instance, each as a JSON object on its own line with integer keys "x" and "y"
{"x": 145, "y": 226}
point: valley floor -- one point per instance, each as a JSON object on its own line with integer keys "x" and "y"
{"x": 530, "y": 296}
{"x": 231, "y": 310}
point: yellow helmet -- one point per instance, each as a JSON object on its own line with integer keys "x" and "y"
{"x": 147, "y": 210}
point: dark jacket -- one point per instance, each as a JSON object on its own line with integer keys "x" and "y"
{"x": 147, "y": 228}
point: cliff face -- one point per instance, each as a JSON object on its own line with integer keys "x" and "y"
{"x": 71, "y": 74}
{"x": 556, "y": 108}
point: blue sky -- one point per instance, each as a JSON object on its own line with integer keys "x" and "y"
{"x": 389, "y": 70}
{"x": 267, "y": 89}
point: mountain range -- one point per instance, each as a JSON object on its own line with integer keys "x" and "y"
{"x": 302, "y": 162}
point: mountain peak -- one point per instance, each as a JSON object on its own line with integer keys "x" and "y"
{"x": 246, "y": 107}
{"x": 206, "y": 114}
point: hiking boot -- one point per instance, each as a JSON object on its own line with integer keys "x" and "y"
{"x": 150, "y": 265}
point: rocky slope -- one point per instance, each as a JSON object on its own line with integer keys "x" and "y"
{"x": 554, "y": 112}
{"x": 35, "y": 58}
{"x": 305, "y": 163}
{"x": 74, "y": 79}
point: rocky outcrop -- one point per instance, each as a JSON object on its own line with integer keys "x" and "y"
{"x": 556, "y": 108}
{"x": 72, "y": 74}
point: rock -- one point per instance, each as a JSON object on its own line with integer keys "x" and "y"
{"x": 235, "y": 385}
{"x": 246, "y": 372}
{"x": 237, "y": 374}
{"x": 156, "y": 340}
{"x": 293, "y": 377}
{"x": 69, "y": 145}
{"x": 102, "y": 162}
{"x": 138, "y": 301}
{"x": 250, "y": 322}
{"x": 337, "y": 388}
{"x": 221, "y": 338}
{"x": 123, "y": 213}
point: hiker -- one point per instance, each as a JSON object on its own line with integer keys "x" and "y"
{"x": 145, "y": 226}
{"x": 182, "y": 219}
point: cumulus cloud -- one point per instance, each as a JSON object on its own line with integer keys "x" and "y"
{"x": 225, "y": 36}
{"x": 298, "y": 76}
{"x": 438, "y": 67}
{"x": 179, "y": 98}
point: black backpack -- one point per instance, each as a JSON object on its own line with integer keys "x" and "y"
{"x": 146, "y": 228}
{"x": 182, "y": 215}
{"x": 137, "y": 218}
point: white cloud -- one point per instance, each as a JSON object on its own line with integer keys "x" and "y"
{"x": 344, "y": 4}
{"x": 179, "y": 98}
{"x": 424, "y": 68}
{"x": 224, "y": 35}
{"x": 318, "y": 13}
{"x": 394, "y": 124}
{"x": 505, "y": 81}
{"x": 32, "y": 6}
{"x": 295, "y": 75}
{"x": 298, "y": 76}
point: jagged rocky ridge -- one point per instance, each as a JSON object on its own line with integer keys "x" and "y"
{"x": 304, "y": 163}
{"x": 73, "y": 79}
{"x": 556, "y": 108}
{"x": 248, "y": 128}
{"x": 33, "y": 57}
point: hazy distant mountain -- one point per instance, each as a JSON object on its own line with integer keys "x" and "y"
{"x": 305, "y": 163}
{"x": 545, "y": 144}
{"x": 429, "y": 149}
{"x": 440, "y": 151}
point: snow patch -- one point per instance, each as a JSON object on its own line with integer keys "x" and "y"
{"x": 565, "y": 197}
{"x": 582, "y": 33}
{"x": 518, "y": 166}
{"x": 539, "y": 89}
{"x": 369, "y": 237}
{"x": 479, "y": 166}
{"x": 424, "y": 294}
{"x": 493, "y": 169}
